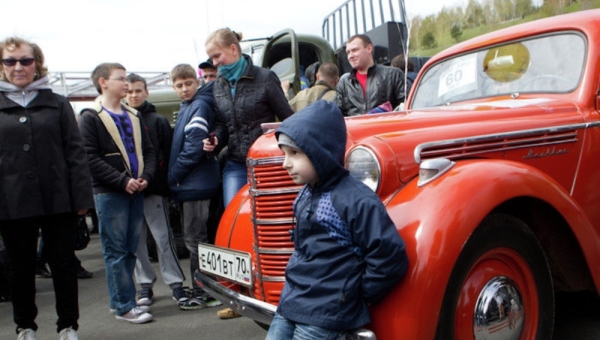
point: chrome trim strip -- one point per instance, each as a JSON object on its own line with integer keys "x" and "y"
{"x": 518, "y": 142}
{"x": 279, "y": 251}
{"x": 264, "y": 161}
{"x": 274, "y": 221}
{"x": 470, "y": 153}
{"x": 523, "y": 133}
{"x": 257, "y": 192}
{"x": 273, "y": 278}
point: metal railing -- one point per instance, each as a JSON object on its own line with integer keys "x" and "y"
{"x": 343, "y": 22}
{"x": 78, "y": 86}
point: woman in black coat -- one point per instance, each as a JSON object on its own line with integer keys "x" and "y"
{"x": 44, "y": 184}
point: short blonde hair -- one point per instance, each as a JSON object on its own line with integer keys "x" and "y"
{"x": 15, "y": 42}
{"x": 224, "y": 37}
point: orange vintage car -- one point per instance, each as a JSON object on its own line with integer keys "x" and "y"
{"x": 490, "y": 175}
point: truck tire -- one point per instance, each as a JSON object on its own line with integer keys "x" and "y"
{"x": 500, "y": 286}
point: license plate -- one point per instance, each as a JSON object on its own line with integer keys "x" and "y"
{"x": 230, "y": 264}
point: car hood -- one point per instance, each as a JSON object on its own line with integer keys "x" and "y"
{"x": 406, "y": 138}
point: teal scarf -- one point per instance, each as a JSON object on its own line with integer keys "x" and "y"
{"x": 233, "y": 72}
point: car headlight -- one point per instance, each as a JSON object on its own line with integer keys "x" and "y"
{"x": 364, "y": 166}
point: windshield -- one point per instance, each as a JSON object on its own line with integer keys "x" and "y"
{"x": 548, "y": 64}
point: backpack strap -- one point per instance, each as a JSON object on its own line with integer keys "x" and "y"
{"x": 323, "y": 93}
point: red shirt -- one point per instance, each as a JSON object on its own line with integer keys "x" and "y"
{"x": 362, "y": 79}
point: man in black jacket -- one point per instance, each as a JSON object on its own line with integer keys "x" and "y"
{"x": 368, "y": 85}
{"x": 156, "y": 202}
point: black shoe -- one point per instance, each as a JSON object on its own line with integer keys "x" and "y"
{"x": 43, "y": 272}
{"x": 84, "y": 274}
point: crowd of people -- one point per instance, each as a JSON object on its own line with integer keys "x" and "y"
{"x": 124, "y": 160}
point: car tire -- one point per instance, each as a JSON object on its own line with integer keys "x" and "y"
{"x": 501, "y": 249}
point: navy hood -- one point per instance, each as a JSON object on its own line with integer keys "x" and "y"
{"x": 205, "y": 92}
{"x": 319, "y": 130}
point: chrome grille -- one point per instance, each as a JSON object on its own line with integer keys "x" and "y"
{"x": 272, "y": 194}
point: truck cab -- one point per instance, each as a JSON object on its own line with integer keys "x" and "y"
{"x": 287, "y": 52}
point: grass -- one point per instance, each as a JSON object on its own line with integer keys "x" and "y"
{"x": 446, "y": 40}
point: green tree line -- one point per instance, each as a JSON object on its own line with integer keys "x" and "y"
{"x": 435, "y": 32}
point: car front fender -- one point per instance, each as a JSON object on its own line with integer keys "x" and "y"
{"x": 437, "y": 219}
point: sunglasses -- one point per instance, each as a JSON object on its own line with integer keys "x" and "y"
{"x": 13, "y": 62}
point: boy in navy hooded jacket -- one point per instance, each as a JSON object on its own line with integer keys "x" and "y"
{"x": 348, "y": 254}
{"x": 193, "y": 175}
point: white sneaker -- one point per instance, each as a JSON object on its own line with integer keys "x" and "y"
{"x": 68, "y": 334}
{"x": 144, "y": 309}
{"x": 135, "y": 315}
{"x": 26, "y": 334}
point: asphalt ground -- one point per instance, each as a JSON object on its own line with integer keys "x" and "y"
{"x": 97, "y": 323}
{"x": 577, "y": 314}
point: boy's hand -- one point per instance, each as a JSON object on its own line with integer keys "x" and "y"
{"x": 143, "y": 184}
{"x": 132, "y": 186}
{"x": 208, "y": 146}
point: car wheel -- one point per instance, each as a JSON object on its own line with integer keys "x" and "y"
{"x": 500, "y": 287}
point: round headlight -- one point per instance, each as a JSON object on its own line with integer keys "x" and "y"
{"x": 363, "y": 165}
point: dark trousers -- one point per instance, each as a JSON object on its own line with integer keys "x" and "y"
{"x": 20, "y": 238}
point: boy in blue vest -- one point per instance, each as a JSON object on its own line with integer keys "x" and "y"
{"x": 348, "y": 254}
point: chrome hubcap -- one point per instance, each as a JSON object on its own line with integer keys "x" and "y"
{"x": 499, "y": 311}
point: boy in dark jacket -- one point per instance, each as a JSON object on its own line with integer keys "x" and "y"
{"x": 193, "y": 174}
{"x": 156, "y": 202}
{"x": 348, "y": 254}
{"x": 122, "y": 163}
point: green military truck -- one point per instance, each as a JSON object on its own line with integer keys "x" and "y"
{"x": 287, "y": 52}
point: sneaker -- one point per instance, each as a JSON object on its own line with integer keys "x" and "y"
{"x": 145, "y": 297}
{"x": 179, "y": 295}
{"x": 26, "y": 334}
{"x": 68, "y": 334}
{"x": 209, "y": 300}
{"x": 227, "y": 313}
{"x": 135, "y": 315}
{"x": 192, "y": 304}
{"x": 200, "y": 299}
{"x": 43, "y": 272}
{"x": 144, "y": 309}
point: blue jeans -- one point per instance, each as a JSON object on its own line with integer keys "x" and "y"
{"x": 120, "y": 218}
{"x": 284, "y": 329}
{"x": 235, "y": 176}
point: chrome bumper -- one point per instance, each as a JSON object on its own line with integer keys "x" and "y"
{"x": 256, "y": 310}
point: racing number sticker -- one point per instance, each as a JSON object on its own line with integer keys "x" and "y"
{"x": 458, "y": 76}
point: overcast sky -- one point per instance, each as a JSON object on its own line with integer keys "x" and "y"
{"x": 151, "y": 35}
